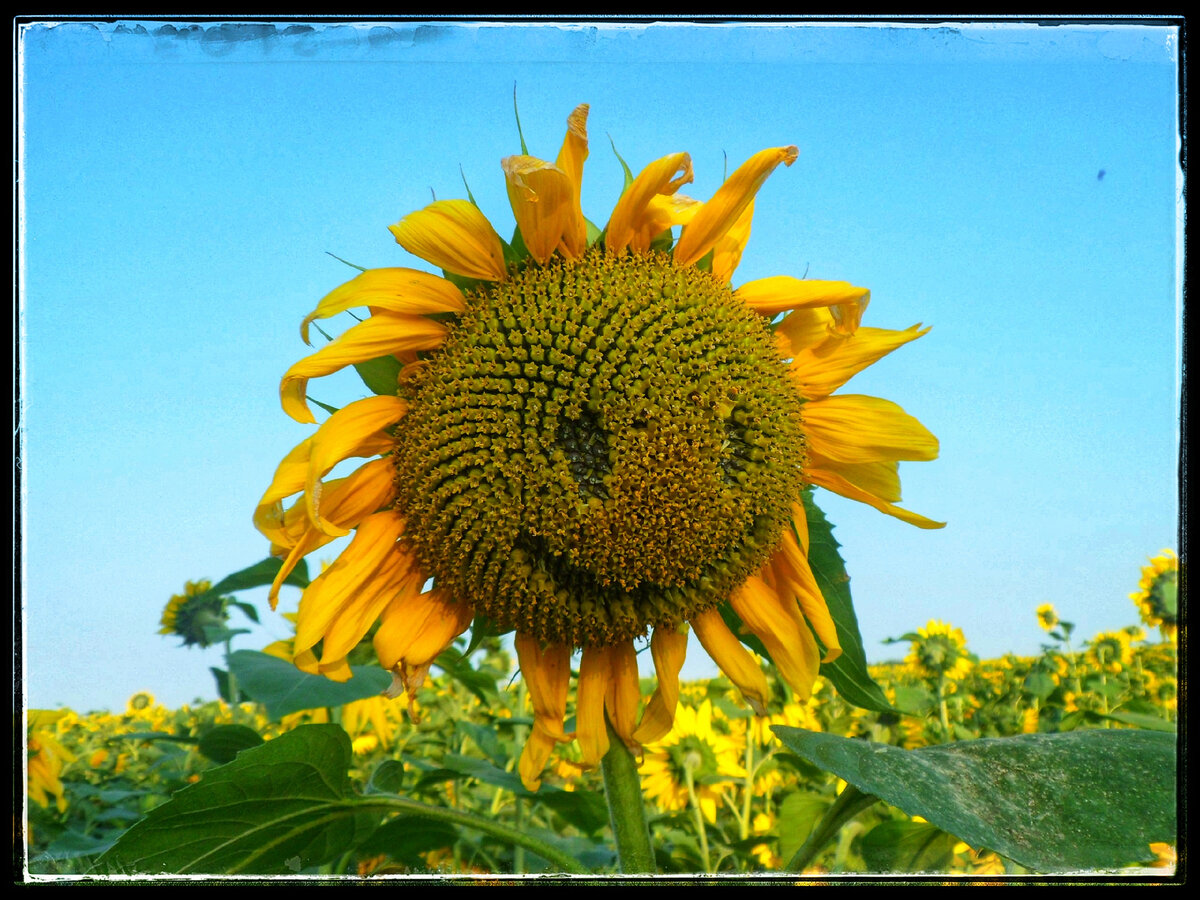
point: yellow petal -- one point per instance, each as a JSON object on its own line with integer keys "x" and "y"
{"x": 373, "y": 542}
{"x": 359, "y": 431}
{"x": 780, "y": 293}
{"x": 727, "y": 251}
{"x": 417, "y": 627}
{"x": 534, "y": 756}
{"x": 542, "y": 198}
{"x": 794, "y": 580}
{"x": 778, "y": 624}
{"x": 840, "y": 478}
{"x": 570, "y": 160}
{"x": 379, "y": 335}
{"x": 852, "y": 428}
{"x": 624, "y": 693}
{"x": 455, "y": 236}
{"x": 395, "y": 290}
{"x": 734, "y": 659}
{"x": 357, "y": 613}
{"x": 718, "y": 215}
{"x": 547, "y": 674}
{"x": 663, "y": 176}
{"x": 594, "y": 674}
{"x": 819, "y": 370}
{"x": 668, "y": 646}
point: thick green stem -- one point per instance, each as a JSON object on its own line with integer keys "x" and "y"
{"x": 626, "y": 812}
{"x": 849, "y": 804}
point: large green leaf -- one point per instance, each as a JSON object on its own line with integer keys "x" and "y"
{"x": 259, "y": 574}
{"x": 280, "y": 807}
{"x": 283, "y": 689}
{"x": 223, "y": 743}
{"x": 1084, "y": 800}
{"x": 904, "y": 846}
{"x": 848, "y": 673}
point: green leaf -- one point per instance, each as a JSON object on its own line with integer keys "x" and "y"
{"x": 798, "y": 813}
{"x": 73, "y": 845}
{"x": 1084, "y": 800}
{"x": 1139, "y": 720}
{"x": 388, "y": 778}
{"x": 379, "y": 374}
{"x": 284, "y": 689}
{"x": 223, "y": 743}
{"x": 261, "y": 573}
{"x": 458, "y": 667}
{"x": 1040, "y": 685}
{"x": 516, "y": 252}
{"x": 248, "y": 610}
{"x": 222, "y": 679}
{"x": 901, "y": 846}
{"x": 847, "y": 673}
{"x": 277, "y": 808}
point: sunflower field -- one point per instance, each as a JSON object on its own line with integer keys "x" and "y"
{"x": 430, "y": 788}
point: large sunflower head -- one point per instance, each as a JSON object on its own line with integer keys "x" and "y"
{"x": 1157, "y": 596}
{"x": 589, "y": 437}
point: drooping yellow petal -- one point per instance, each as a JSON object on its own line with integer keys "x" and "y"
{"x": 663, "y": 176}
{"x": 374, "y": 542}
{"x": 395, "y": 290}
{"x": 289, "y": 478}
{"x": 542, "y": 198}
{"x": 794, "y": 580}
{"x": 455, "y": 236}
{"x": 416, "y": 627}
{"x": 668, "y": 646}
{"x": 853, "y": 428}
{"x": 727, "y": 251}
{"x": 624, "y": 695}
{"x": 862, "y": 482}
{"x": 359, "y": 431}
{"x": 379, "y": 335}
{"x": 594, "y": 673}
{"x": 344, "y": 501}
{"x": 394, "y": 575}
{"x": 570, "y": 160}
{"x": 719, "y": 214}
{"x": 547, "y": 674}
{"x": 778, "y": 624}
{"x": 818, "y": 371}
{"x": 734, "y": 659}
{"x": 780, "y": 293}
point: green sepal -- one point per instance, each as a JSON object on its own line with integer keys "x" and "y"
{"x": 848, "y": 673}
{"x": 380, "y": 374}
{"x": 350, "y": 264}
{"x": 515, "y": 252}
{"x": 624, "y": 167}
{"x": 260, "y": 574}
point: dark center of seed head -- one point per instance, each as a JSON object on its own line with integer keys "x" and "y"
{"x": 602, "y": 445}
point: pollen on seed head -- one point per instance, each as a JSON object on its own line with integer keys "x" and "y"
{"x": 602, "y": 445}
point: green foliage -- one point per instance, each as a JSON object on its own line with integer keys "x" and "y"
{"x": 1050, "y": 802}
{"x": 282, "y": 688}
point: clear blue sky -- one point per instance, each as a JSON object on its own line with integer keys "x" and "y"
{"x": 1014, "y": 186}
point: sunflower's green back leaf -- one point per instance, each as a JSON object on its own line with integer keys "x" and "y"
{"x": 847, "y": 673}
{"x": 1168, "y": 593}
{"x": 516, "y": 252}
{"x": 1085, "y": 800}
{"x": 404, "y": 838}
{"x": 261, "y": 573}
{"x": 283, "y": 689}
{"x": 624, "y": 166}
{"x": 223, "y": 743}
{"x": 907, "y": 847}
{"x": 458, "y": 667}
{"x": 482, "y": 628}
{"x": 281, "y": 807}
{"x": 379, "y": 374}
{"x": 593, "y": 232}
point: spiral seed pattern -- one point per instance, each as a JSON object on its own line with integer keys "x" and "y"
{"x": 602, "y": 445}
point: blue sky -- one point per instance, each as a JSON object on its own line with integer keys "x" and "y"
{"x": 1014, "y": 186}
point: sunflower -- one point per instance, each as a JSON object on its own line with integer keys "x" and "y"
{"x": 196, "y": 615}
{"x": 1157, "y": 593}
{"x": 1047, "y": 617}
{"x": 586, "y": 436}
{"x": 940, "y": 649}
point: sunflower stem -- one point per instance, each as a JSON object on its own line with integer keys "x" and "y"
{"x": 849, "y": 804}
{"x": 626, "y": 811}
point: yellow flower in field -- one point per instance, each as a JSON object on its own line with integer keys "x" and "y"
{"x": 195, "y": 615}
{"x": 592, "y": 436}
{"x": 692, "y": 745}
{"x": 940, "y": 649}
{"x": 45, "y": 759}
{"x": 1110, "y": 651}
{"x": 1047, "y": 616}
{"x": 1157, "y": 594}
{"x": 139, "y": 703}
